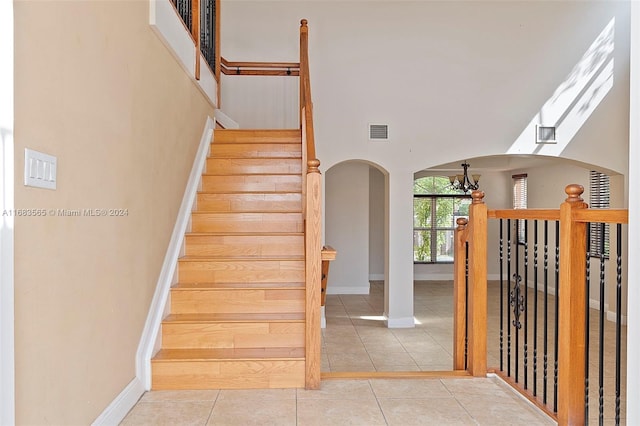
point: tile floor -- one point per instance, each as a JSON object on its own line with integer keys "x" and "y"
{"x": 404, "y": 402}
{"x": 356, "y": 340}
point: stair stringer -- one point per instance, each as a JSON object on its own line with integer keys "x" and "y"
{"x": 150, "y": 339}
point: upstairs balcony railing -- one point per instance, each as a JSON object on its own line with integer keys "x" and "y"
{"x": 202, "y": 20}
{"x": 548, "y": 343}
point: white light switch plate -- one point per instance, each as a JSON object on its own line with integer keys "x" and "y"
{"x": 39, "y": 169}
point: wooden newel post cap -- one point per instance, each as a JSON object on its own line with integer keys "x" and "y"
{"x": 462, "y": 222}
{"x": 477, "y": 197}
{"x": 574, "y": 192}
{"x": 313, "y": 165}
{"x": 303, "y": 22}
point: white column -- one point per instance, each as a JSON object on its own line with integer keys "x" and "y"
{"x": 633, "y": 324}
{"x": 398, "y": 283}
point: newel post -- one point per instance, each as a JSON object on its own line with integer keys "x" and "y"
{"x": 477, "y": 297}
{"x": 572, "y": 297}
{"x": 459, "y": 293}
{"x": 313, "y": 274}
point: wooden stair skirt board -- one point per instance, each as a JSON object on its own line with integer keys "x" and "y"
{"x": 237, "y": 313}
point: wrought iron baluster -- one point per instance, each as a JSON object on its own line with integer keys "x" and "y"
{"x": 526, "y": 300}
{"x": 587, "y": 320}
{"x": 601, "y": 324}
{"x": 555, "y": 349}
{"x": 516, "y": 300}
{"x": 546, "y": 314}
{"x": 509, "y": 290}
{"x": 466, "y": 302}
{"x": 501, "y": 297}
{"x": 535, "y": 308}
{"x": 618, "y": 316}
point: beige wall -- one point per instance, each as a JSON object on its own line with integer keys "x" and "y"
{"x": 95, "y": 87}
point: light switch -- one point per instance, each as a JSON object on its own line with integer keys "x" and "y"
{"x": 39, "y": 169}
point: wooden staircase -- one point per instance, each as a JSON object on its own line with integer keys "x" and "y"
{"x": 237, "y": 316}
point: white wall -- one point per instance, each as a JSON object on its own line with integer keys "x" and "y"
{"x": 376, "y": 224}
{"x": 633, "y": 329}
{"x": 467, "y": 74}
{"x": 347, "y": 227}
{"x": 262, "y": 102}
{"x": 7, "y": 376}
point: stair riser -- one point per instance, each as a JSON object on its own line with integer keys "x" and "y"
{"x": 254, "y": 374}
{"x": 257, "y": 136}
{"x": 227, "y": 166}
{"x": 249, "y": 245}
{"x": 255, "y": 150}
{"x": 249, "y": 202}
{"x": 229, "y": 301}
{"x": 239, "y": 183}
{"x": 247, "y": 222}
{"x": 264, "y": 271}
{"x": 232, "y": 335}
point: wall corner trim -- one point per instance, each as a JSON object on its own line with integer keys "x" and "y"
{"x": 225, "y": 120}
{"x": 120, "y": 406}
{"x": 156, "y": 310}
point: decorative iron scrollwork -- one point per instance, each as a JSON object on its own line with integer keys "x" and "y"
{"x": 516, "y": 300}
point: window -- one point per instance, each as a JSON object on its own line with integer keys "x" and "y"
{"x": 520, "y": 202}
{"x": 599, "y": 199}
{"x": 436, "y": 206}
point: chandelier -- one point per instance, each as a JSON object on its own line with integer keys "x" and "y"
{"x": 462, "y": 182}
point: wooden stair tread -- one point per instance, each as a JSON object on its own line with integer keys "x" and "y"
{"x": 228, "y": 354}
{"x": 203, "y": 212}
{"x": 226, "y": 286}
{"x": 239, "y": 258}
{"x": 243, "y": 234}
{"x": 250, "y": 192}
{"x": 235, "y": 317}
{"x": 258, "y": 135}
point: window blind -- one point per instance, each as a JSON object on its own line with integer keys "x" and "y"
{"x": 600, "y": 194}
{"x": 520, "y": 201}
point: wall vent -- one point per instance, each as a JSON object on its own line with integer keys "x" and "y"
{"x": 378, "y": 132}
{"x": 546, "y": 134}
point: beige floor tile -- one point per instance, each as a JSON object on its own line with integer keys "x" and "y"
{"x": 253, "y": 394}
{"x": 183, "y": 395}
{"x": 169, "y": 413}
{"x": 391, "y": 347}
{"x": 489, "y": 410}
{"x": 409, "y": 388}
{"x": 339, "y": 389}
{"x": 476, "y": 386}
{"x": 391, "y": 358}
{"x": 429, "y": 411}
{"x": 339, "y": 412}
{"x": 259, "y": 412}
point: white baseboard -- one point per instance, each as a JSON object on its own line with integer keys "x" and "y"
{"x": 121, "y": 405}
{"x": 167, "y": 272}
{"x": 407, "y": 322}
{"x": 225, "y": 120}
{"x": 323, "y": 318}
{"x": 354, "y": 289}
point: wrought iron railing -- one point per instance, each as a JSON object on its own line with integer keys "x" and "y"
{"x": 546, "y": 338}
{"x": 200, "y": 18}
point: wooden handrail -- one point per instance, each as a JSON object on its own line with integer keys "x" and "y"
{"x": 572, "y": 218}
{"x": 312, "y": 208}
{"x": 260, "y": 68}
{"x": 195, "y": 33}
